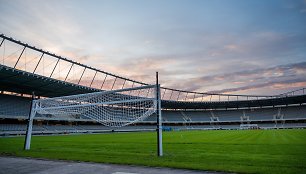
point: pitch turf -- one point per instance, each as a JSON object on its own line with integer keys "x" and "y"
{"x": 248, "y": 151}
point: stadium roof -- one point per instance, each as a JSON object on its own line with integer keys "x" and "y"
{"x": 292, "y": 100}
{"x": 19, "y": 81}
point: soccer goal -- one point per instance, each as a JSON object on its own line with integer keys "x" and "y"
{"x": 115, "y": 108}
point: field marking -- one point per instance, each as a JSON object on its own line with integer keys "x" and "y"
{"x": 123, "y": 173}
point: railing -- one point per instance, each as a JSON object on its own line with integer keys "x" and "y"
{"x": 293, "y": 93}
{"x": 22, "y": 56}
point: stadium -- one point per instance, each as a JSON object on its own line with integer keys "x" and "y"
{"x": 57, "y": 113}
{"x": 181, "y": 110}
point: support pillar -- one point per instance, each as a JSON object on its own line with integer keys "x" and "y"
{"x": 27, "y": 142}
{"x": 159, "y": 120}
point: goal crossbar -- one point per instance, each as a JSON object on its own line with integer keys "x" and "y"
{"x": 103, "y": 92}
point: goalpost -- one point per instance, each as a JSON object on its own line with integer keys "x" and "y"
{"x": 115, "y": 108}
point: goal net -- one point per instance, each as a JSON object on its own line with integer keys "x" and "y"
{"x": 115, "y": 108}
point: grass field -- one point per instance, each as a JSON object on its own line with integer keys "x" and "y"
{"x": 248, "y": 151}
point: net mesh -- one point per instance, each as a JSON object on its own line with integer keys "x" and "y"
{"x": 111, "y": 108}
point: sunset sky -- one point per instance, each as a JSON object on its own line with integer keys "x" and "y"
{"x": 231, "y": 46}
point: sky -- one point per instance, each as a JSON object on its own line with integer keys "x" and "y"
{"x": 225, "y": 46}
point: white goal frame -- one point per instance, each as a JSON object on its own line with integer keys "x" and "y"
{"x": 157, "y": 110}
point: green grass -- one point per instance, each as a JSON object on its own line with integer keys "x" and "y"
{"x": 248, "y": 151}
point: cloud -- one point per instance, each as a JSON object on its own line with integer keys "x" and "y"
{"x": 275, "y": 77}
{"x": 294, "y": 83}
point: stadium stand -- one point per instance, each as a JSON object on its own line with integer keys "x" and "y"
{"x": 14, "y": 106}
{"x": 198, "y": 116}
{"x": 16, "y": 109}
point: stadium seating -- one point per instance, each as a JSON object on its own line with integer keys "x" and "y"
{"x": 230, "y": 115}
{"x": 17, "y": 107}
{"x": 173, "y": 116}
{"x": 294, "y": 113}
{"x": 197, "y": 116}
{"x": 14, "y": 106}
